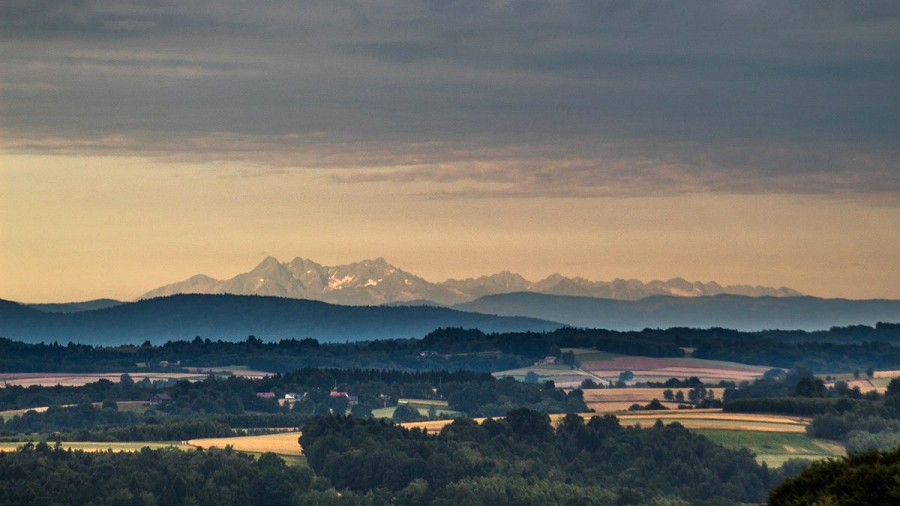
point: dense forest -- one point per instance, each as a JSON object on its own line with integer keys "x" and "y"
{"x": 840, "y": 349}
{"x": 471, "y": 463}
{"x": 517, "y": 460}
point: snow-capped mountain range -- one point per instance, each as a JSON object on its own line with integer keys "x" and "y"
{"x": 376, "y": 282}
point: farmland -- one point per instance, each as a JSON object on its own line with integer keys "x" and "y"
{"x": 773, "y": 438}
{"x": 661, "y": 369}
{"x": 100, "y": 447}
{"x": 608, "y": 400}
{"x": 605, "y": 368}
{"x": 284, "y": 443}
{"x": 81, "y": 379}
{"x": 774, "y": 448}
{"x": 709, "y": 419}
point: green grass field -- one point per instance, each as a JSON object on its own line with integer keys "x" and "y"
{"x": 774, "y": 448}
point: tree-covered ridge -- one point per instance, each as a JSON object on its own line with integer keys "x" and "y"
{"x": 835, "y": 350}
{"x": 632, "y": 465}
{"x": 44, "y": 475}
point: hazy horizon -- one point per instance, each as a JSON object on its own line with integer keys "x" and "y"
{"x": 737, "y": 142}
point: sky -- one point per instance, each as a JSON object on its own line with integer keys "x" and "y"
{"x": 745, "y": 142}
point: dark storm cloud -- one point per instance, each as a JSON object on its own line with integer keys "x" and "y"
{"x": 578, "y": 97}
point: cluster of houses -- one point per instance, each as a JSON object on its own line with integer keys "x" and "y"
{"x": 292, "y": 397}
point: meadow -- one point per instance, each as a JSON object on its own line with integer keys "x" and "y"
{"x": 774, "y": 448}
{"x": 423, "y": 406}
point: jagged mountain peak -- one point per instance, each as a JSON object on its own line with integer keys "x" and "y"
{"x": 376, "y": 281}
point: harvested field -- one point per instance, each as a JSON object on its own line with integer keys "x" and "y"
{"x": 609, "y": 400}
{"x": 99, "y": 447}
{"x": 433, "y": 426}
{"x": 77, "y": 380}
{"x": 635, "y": 394}
{"x": 660, "y": 369}
{"x": 694, "y": 419}
{"x": 284, "y": 443}
{"x": 866, "y": 386}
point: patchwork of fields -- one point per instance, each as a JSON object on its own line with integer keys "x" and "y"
{"x": 773, "y": 438}
{"x": 604, "y": 368}
{"x": 661, "y": 369}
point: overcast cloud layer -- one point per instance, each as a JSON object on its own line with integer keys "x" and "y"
{"x": 499, "y": 98}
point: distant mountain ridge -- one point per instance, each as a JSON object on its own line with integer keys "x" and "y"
{"x": 234, "y": 317}
{"x": 662, "y": 311}
{"x": 376, "y": 282}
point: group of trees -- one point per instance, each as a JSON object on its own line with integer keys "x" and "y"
{"x": 627, "y": 465}
{"x": 863, "y": 478}
{"x": 40, "y": 474}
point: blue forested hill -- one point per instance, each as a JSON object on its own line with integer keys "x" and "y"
{"x": 727, "y": 311}
{"x": 234, "y": 317}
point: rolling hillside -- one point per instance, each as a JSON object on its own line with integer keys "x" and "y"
{"x": 234, "y": 317}
{"x": 727, "y": 311}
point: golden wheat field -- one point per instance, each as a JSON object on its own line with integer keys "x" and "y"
{"x": 99, "y": 447}
{"x": 712, "y": 419}
{"x": 284, "y": 443}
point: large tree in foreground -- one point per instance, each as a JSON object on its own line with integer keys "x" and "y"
{"x": 861, "y": 479}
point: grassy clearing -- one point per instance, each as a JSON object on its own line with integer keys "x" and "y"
{"x": 284, "y": 443}
{"x": 774, "y": 448}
